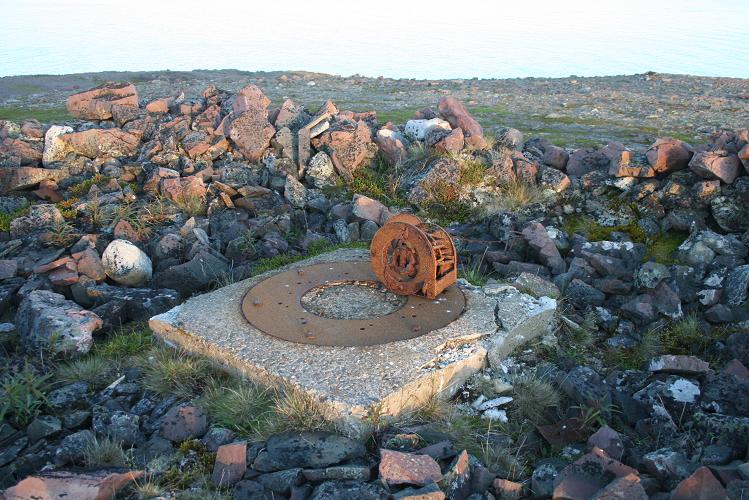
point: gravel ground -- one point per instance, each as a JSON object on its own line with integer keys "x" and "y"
{"x": 570, "y": 111}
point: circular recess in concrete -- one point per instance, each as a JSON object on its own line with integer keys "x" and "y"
{"x": 339, "y": 304}
{"x": 352, "y": 300}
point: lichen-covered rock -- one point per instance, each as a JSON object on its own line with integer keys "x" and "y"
{"x": 716, "y": 165}
{"x": 417, "y": 130}
{"x": 393, "y": 145}
{"x": 94, "y": 143}
{"x": 126, "y": 264}
{"x": 47, "y": 320}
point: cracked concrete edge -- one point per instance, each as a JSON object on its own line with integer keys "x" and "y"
{"x": 493, "y": 335}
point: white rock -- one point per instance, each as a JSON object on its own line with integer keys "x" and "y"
{"x": 54, "y": 148}
{"x": 495, "y": 414}
{"x": 295, "y": 192}
{"x": 320, "y": 171}
{"x": 126, "y": 264}
{"x": 478, "y": 402}
{"x": 418, "y": 129}
{"x": 684, "y": 391}
{"x": 494, "y": 403}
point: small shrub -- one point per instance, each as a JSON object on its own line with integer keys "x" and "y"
{"x": 243, "y": 407}
{"x": 61, "y": 235}
{"x": 82, "y": 188}
{"x": 196, "y": 463}
{"x": 170, "y": 372}
{"x": 94, "y": 370}
{"x": 533, "y": 398}
{"x": 104, "y": 453}
{"x": 7, "y": 218}
{"x": 66, "y": 208}
{"x": 22, "y": 395}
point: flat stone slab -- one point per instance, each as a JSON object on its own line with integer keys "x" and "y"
{"x": 353, "y": 382}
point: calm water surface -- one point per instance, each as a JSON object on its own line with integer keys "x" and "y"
{"x": 417, "y": 39}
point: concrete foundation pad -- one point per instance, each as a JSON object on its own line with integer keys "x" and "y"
{"x": 355, "y": 382}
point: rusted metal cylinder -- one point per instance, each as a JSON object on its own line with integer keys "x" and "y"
{"x": 411, "y": 257}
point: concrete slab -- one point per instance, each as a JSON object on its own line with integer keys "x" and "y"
{"x": 355, "y": 382}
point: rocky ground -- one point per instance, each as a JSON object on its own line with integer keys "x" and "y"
{"x": 144, "y": 196}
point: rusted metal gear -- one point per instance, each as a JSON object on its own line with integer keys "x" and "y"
{"x": 289, "y": 305}
{"x": 412, "y": 257}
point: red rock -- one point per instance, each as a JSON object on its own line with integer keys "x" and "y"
{"x": 669, "y": 155}
{"x": 349, "y": 144}
{"x": 48, "y": 191}
{"x": 452, "y": 142}
{"x": 89, "y": 264}
{"x": 370, "y": 209}
{"x": 744, "y": 156}
{"x": 398, "y": 468}
{"x": 626, "y": 163}
{"x": 701, "y": 485}
{"x": 713, "y": 164}
{"x": 623, "y": 488}
{"x": 230, "y": 464}
{"x": 96, "y": 103}
{"x": 251, "y": 133}
{"x": 393, "y": 145}
{"x": 54, "y": 485}
{"x": 45, "y": 268}
{"x": 32, "y": 129}
{"x": 177, "y": 189}
{"x": 456, "y": 482}
{"x": 556, "y": 157}
{"x": 252, "y": 98}
{"x": 155, "y": 177}
{"x": 288, "y": 115}
{"x": 548, "y": 254}
{"x": 525, "y": 169}
{"x": 21, "y": 152}
{"x": 209, "y": 119}
{"x": 184, "y": 422}
{"x": 505, "y": 489}
{"x": 458, "y": 116}
{"x": 123, "y": 230}
{"x": 99, "y": 142}
{"x": 159, "y": 106}
{"x": 608, "y": 440}
{"x": 736, "y": 368}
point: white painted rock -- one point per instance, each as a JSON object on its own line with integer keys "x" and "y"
{"x": 126, "y": 264}
{"x": 54, "y": 148}
{"x": 417, "y": 129}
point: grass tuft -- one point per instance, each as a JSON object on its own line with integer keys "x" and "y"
{"x": 127, "y": 341}
{"x": 594, "y": 231}
{"x": 170, "y": 372}
{"x": 533, "y": 398}
{"x": 93, "y": 370}
{"x": 242, "y": 407}
{"x": 22, "y": 395}
{"x": 299, "y": 411}
{"x": 663, "y": 248}
{"x": 104, "y": 453}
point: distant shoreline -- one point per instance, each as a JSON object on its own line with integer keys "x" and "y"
{"x": 571, "y": 111}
